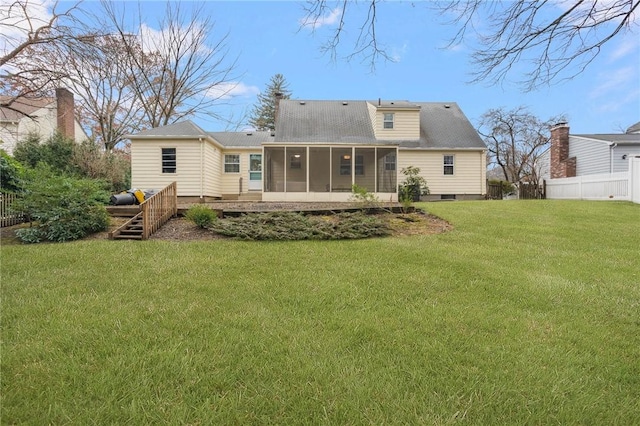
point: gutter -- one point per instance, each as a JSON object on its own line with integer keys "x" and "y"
{"x": 612, "y": 146}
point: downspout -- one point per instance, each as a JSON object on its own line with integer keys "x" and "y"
{"x": 201, "y": 169}
{"x": 611, "y": 148}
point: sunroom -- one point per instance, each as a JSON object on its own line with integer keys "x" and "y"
{"x": 295, "y": 172}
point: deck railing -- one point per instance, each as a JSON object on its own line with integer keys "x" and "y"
{"x": 158, "y": 209}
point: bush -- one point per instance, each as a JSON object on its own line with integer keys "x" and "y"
{"x": 10, "y": 173}
{"x": 413, "y": 185}
{"x": 56, "y": 152}
{"x": 90, "y": 160}
{"x": 62, "y": 208}
{"x": 297, "y": 226}
{"x": 201, "y": 215}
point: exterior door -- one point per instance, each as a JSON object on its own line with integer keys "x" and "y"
{"x": 255, "y": 172}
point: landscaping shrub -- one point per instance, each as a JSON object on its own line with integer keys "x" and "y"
{"x": 56, "y": 152}
{"x": 201, "y": 215}
{"x": 413, "y": 186}
{"x": 10, "y": 173}
{"x": 297, "y": 226}
{"x": 90, "y": 160}
{"x": 62, "y": 208}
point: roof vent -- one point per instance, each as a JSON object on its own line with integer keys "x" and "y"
{"x": 302, "y": 102}
{"x": 249, "y": 134}
{"x": 345, "y": 103}
{"x": 447, "y": 106}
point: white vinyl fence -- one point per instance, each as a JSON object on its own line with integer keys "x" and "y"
{"x": 608, "y": 186}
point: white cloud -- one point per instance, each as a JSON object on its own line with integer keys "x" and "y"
{"x": 627, "y": 45}
{"x": 330, "y": 19}
{"x": 232, "y": 90}
{"x": 613, "y": 81}
{"x": 398, "y": 53}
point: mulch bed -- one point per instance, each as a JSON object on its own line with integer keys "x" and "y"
{"x": 180, "y": 229}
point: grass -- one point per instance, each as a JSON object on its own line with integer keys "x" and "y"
{"x": 526, "y": 313}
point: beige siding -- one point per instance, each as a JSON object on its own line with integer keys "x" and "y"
{"x": 212, "y": 170}
{"x": 231, "y": 181}
{"x": 406, "y": 125}
{"x": 146, "y": 166}
{"x": 469, "y": 170}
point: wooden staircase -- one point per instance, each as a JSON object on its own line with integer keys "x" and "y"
{"x": 133, "y": 229}
{"x": 155, "y": 212}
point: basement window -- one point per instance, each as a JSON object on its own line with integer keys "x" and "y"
{"x": 168, "y": 160}
{"x": 388, "y": 121}
{"x": 232, "y": 163}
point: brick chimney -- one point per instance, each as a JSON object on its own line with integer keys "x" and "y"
{"x": 561, "y": 165}
{"x": 279, "y": 97}
{"x": 66, "y": 113}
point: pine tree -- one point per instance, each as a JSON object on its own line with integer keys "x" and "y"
{"x": 263, "y": 116}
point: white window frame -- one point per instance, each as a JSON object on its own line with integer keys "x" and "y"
{"x": 448, "y": 165}
{"x": 390, "y": 162}
{"x": 227, "y": 157}
{"x": 387, "y": 121}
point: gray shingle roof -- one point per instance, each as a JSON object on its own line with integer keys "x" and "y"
{"x": 442, "y": 126}
{"x": 181, "y": 129}
{"x": 619, "y": 138}
{"x": 241, "y": 139}
{"x": 21, "y": 107}
{"x": 324, "y": 121}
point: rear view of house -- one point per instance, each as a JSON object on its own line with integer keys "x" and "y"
{"x": 319, "y": 150}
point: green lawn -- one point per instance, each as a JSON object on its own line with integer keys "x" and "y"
{"x": 528, "y": 312}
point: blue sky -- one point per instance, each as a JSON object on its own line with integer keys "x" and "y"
{"x": 268, "y": 39}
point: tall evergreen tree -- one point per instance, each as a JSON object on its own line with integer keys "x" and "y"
{"x": 263, "y": 116}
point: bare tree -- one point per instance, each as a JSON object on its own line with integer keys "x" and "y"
{"x": 24, "y": 24}
{"x": 95, "y": 68}
{"x": 367, "y": 44}
{"x": 552, "y": 40}
{"x": 181, "y": 70}
{"x": 515, "y": 139}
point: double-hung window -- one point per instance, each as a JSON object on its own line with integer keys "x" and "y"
{"x": 168, "y": 160}
{"x": 388, "y": 121}
{"x": 232, "y": 163}
{"x": 389, "y": 162}
{"x": 448, "y": 165}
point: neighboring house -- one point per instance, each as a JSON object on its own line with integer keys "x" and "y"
{"x": 42, "y": 116}
{"x": 588, "y": 154}
{"x": 317, "y": 152}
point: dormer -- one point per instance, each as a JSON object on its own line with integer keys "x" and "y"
{"x": 395, "y": 120}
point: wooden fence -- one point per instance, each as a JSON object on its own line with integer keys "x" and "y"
{"x": 158, "y": 209}
{"x": 8, "y": 217}
{"x": 531, "y": 191}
